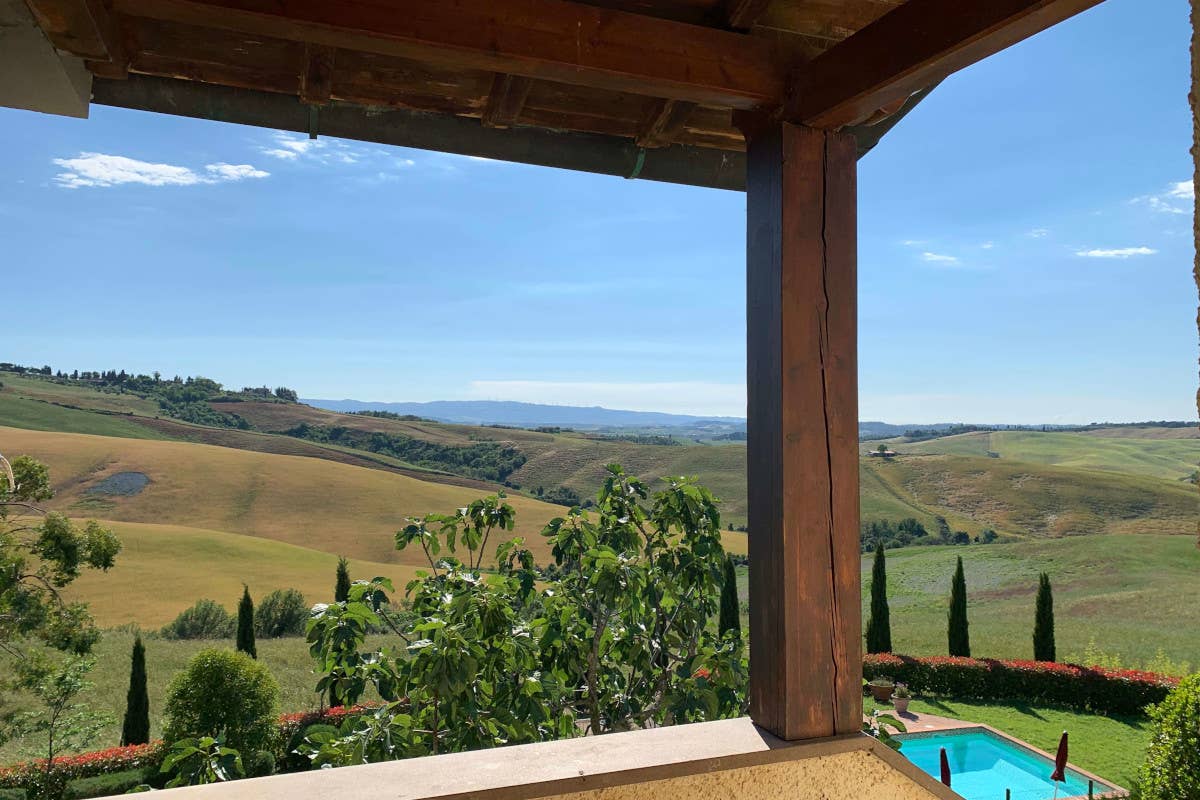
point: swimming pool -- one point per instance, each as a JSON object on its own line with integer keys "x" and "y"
{"x": 983, "y": 765}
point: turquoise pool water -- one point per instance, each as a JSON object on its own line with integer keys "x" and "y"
{"x": 983, "y": 765}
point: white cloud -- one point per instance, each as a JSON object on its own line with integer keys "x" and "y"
{"x": 675, "y": 397}
{"x": 939, "y": 258}
{"x": 1182, "y": 190}
{"x": 100, "y": 169}
{"x": 1039, "y": 233}
{"x": 1171, "y": 200}
{"x": 1120, "y": 252}
{"x": 235, "y": 172}
{"x": 913, "y": 242}
{"x": 294, "y": 147}
{"x": 987, "y": 245}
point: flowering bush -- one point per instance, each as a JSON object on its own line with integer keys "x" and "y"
{"x": 141, "y": 756}
{"x": 1108, "y": 691}
{"x": 86, "y": 765}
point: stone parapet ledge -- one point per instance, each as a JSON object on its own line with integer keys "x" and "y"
{"x": 728, "y": 758}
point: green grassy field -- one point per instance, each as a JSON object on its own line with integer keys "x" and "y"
{"x": 1169, "y": 459}
{"x": 287, "y": 659}
{"x": 1129, "y": 595}
{"x": 1111, "y": 747}
{"x": 1026, "y": 499}
{"x": 1117, "y": 599}
{"x": 37, "y": 415}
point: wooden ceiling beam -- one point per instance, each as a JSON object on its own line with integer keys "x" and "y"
{"x": 505, "y": 100}
{"x": 553, "y": 40}
{"x": 606, "y": 155}
{"x": 916, "y": 45}
{"x": 83, "y": 28}
{"x": 316, "y": 81}
{"x": 665, "y": 121}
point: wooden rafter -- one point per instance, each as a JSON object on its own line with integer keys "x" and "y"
{"x": 909, "y": 48}
{"x": 316, "y": 81}
{"x": 505, "y": 100}
{"x": 742, "y": 14}
{"x": 548, "y": 39}
{"x": 84, "y": 28}
{"x": 664, "y": 122}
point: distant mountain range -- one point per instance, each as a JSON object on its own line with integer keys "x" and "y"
{"x": 525, "y": 415}
{"x": 529, "y": 415}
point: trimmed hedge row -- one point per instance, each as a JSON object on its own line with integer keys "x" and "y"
{"x": 149, "y": 756}
{"x": 1086, "y": 688}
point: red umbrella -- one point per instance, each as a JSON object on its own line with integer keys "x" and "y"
{"x": 945, "y": 768}
{"x": 1060, "y": 761}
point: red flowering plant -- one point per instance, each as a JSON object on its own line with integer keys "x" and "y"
{"x": 86, "y": 765}
{"x": 1092, "y": 688}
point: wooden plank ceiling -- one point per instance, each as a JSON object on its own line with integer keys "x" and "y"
{"x": 653, "y": 73}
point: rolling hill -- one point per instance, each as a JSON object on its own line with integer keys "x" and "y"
{"x": 164, "y": 569}
{"x": 307, "y": 502}
{"x": 1151, "y": 453}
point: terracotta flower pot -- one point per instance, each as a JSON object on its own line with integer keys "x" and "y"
{"x": 901, "y": 704}
{"x": 882, "y": 693}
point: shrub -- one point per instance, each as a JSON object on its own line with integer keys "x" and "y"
{"x": 205, "y": 620}
{"x": 1097, "y": 689}
{"x": 1172, "y": 768}
{"x": 223, "y": 692}
{"x": 281, "y": 613}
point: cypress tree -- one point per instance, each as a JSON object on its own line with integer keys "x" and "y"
{"x": 245, "y": 628}
{"x": 958, "y": 635}
{"x": 136, "y": 727}
{"x": 341, "y": 590}
{"x": 879, "y": 624}
{"x": 731, "y": 618}
{"x": 1043, "y": 622}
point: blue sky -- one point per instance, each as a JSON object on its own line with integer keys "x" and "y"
{"x": 1025, "y": 254}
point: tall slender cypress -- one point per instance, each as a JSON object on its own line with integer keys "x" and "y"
{"x": 879, "y": 624}
{"x": 135, "y": 729}
{"x": 731, "y": 617}
{"x": 341, "y": 589}
{"x": 957, "y": 632}
{"x": 1043, "y": 622}
{"x": 245, "y": 628}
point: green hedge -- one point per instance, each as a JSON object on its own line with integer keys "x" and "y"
{"x": 1086, "y": 688}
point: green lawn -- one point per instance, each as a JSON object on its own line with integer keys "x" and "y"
{"x": 1122, "y": 597}
{"x": 1111, "y": 747}
{"x": 288, "y": 660}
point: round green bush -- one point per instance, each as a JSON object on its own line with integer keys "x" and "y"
{"x": 205, "y": 620}
{"x": 1172, "y": 768}
{"x": 222, "y": 692}
{"x": 281, "y": 613}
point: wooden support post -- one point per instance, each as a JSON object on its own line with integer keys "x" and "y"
{"x": 805, "y": 644}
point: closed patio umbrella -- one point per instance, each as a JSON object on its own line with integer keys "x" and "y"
{"x": 945, "y": 768}
{"x": 1060, "y": 763}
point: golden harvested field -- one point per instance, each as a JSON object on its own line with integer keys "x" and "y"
{"x": 308, "y": 502}
{"x": 163, "y": 569}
